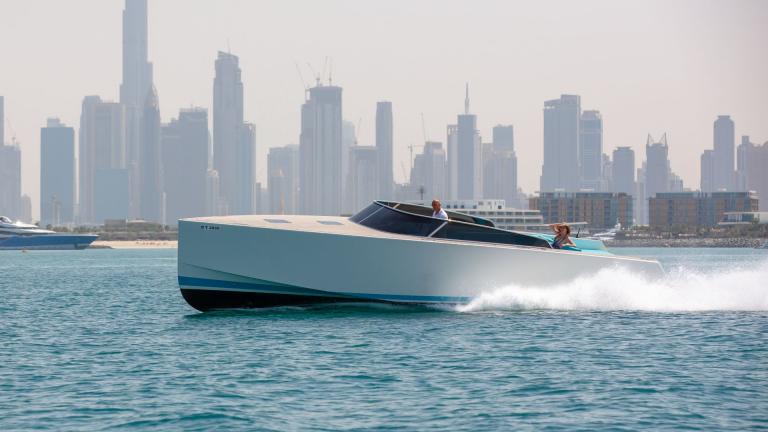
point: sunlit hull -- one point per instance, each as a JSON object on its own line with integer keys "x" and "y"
{"x": 243, "y": 261}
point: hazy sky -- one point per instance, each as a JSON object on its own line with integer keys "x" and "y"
{"x": 648, "y": 66}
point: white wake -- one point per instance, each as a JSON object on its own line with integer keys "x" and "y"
{"x": 615, "y": 289}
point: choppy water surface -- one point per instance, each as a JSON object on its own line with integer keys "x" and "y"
{"x": 101, "y": 339}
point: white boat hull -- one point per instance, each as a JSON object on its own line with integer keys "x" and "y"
{"x": 226, "y": 265}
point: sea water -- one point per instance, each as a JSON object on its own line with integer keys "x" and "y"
{"x": 102, "y": 339}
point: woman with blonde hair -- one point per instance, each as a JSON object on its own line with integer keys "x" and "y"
{"x": 562, "y": 233}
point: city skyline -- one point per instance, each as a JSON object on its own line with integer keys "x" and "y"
{"x": 686, "y": 112}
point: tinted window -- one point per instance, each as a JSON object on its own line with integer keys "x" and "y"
{"x": 401, "y": 223}
{"x": 364, "y": 213}
{"x": 460, "y": 231}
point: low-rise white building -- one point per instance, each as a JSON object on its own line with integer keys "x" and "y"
{"x": 496, "y": 211}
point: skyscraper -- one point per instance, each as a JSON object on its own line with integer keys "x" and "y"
{"x": 185, "y": 164}
{"x": 348, "y": 141}
{"x": 452, "y": 162}
{"x": 743, "y": 154}
{"x": 364, "y": 176}
{"x": 623, "y": 167}
{"x": 57, "y": 174}
{"x": 500, "y": 176}
{"x": 504, "y": 138}
{"x": 384, "y": 144}
{"x": 707, "y": 171}
{"x": 500, "y": 167}
{"x": 562, "y": 121}
{"x": 214, "y": 205}
{"x": 228, "y": 133}
{"x": 10, "y": 181}
{"x": 283, "y": 179}
{"x": 151, "y": 189}
{"x": 136, "y": 85}
{"x": 753, "y": 160}
{"x": 320, "y": 151}
{"x": 469, "y": 154}
{"x": 2, "y": 120}
{"x": 104, "y": 179}
{"x": 428, "y": 174}
{"x": 657, "y": 171}
{"x": 246, "y": 191}
{"x": 724, "y": 145}
{"x": 591, "y": 150}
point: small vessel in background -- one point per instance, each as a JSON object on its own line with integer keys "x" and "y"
{"x": 21, "y": 236}
{"x": 607, "y": 235}
{"x": 388, "y": 252}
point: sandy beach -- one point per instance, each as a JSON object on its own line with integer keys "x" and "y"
{"x": 134, "y": 244}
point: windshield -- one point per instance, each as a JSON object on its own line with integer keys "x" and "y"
{"x": 389, "y": 217}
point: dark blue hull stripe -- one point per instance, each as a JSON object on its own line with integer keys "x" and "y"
{"x": 265, "y": 286}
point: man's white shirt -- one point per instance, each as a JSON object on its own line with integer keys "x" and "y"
{"x": 440, "y": 214}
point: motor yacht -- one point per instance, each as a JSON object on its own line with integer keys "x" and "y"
{"x": 18, "y": 235}
{"x": 388, "y": 252}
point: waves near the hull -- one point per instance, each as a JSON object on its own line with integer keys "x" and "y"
{"x": 618, "y": 289}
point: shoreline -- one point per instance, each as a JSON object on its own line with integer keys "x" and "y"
{"x": 134, "y": 244}
{"x": 739, "y": 242}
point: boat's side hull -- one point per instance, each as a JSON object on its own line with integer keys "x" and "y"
{"x": 47, "y": 242}
{"x": 270, "y": 264}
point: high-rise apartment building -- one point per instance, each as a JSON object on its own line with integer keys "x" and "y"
{"x": 184, "y": 146}
{"x": 452, "y": 162}
{"x": 724, "y": 148}
{"x": 591, "y": 150}
{"x": 320, "y": 152}
{"x": 384, "y": 144}
{"x": 562, "y": 125}
{"x": 246, "y": 191}
{"x": 283, "y": 179}
{"x": 348, "y": 141}
{"x": 743, "y": 156}
{"x": 707, "y": 181}
{"x": 57, "y": 174}
{"x": 2, "y": 120}
{"x": 151, "y": 188}
{"x": 503, "y": 138}
{"x": 10, "y": 181}
{"x": 623, "y": 170}
{"x": 752, "y": 173}
{"x": 134, "y": 90}
{"x": 229, "y": 135}
{"x": 500, "y": 167}
{"x": 657, "y": 169}
{"x": 364, "y": 176}
{"x": 429, "y": 172}
{"x": 469, "y": 154}
{"x": 104, "y": 178}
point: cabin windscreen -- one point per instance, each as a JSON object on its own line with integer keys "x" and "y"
{"x": 400, "y": 223}
{"x": 364, "y": 213}
{"x": 460, "y": 231}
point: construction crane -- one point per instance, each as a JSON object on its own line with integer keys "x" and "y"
{"x": 423, "y": 129}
